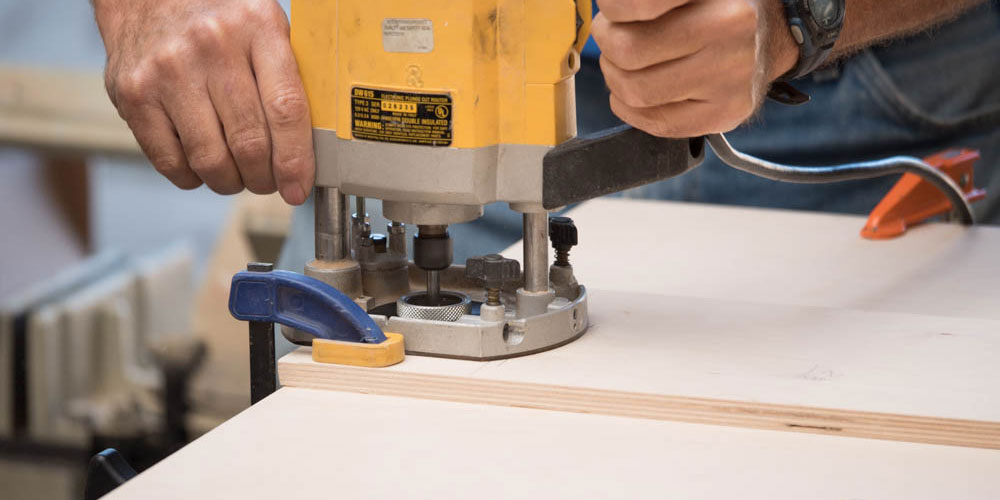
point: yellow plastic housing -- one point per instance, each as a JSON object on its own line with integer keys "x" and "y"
{"x": 507, "y": 64}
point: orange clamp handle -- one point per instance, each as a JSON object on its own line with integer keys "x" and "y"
{"x": 913, "y": 200}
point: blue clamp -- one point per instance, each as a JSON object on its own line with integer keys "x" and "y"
{"x": 301, "y": 302}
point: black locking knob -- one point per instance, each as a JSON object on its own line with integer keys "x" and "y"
{"x": 494, "y": 271}
{"x": 562, "y": 233}
{"x": 379, "y": 242}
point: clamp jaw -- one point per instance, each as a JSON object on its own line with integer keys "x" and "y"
{"x": 343, "y": 332}
{"x": 913, "y": 200}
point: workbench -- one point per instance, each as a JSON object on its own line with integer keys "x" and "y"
{"x": 733, "y": 353}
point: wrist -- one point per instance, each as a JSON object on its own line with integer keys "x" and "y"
{"x": 109, "y": 15}
{"x": 781, "y": 53}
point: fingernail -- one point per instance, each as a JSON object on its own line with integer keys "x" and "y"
{"x": 293, "y": 194}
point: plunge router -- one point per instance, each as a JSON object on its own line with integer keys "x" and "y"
{"x": 438, "y": 108}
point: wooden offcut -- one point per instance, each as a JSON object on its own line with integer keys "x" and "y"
{"x": 61, "y": 111}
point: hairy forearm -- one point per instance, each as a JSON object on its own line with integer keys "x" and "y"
{"x": 866, "y": 22}
{"x": 870, "y": 21}
{"x": 110, "y": 15}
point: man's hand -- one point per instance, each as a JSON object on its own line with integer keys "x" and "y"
{"x": 211, "y": 90}
{"x": 685, "y": 68}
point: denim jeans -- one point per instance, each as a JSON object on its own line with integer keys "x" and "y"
{"x": 917, "y": 96}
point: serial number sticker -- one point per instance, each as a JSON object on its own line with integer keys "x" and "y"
{"x": 401, "y": 117}
{"x": 402, "y": 107}
{"x": 407, "y": 35}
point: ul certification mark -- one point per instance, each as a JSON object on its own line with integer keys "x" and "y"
{"x": 401, "y": 117}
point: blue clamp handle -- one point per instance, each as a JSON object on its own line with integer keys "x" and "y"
{"x": 301, "y": 302}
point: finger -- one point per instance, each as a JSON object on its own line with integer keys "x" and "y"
{"x": 200, "y": 133}
{"x": 661, "y": 84}
{"x": 287, "y": 112}
{"x": 632, "y": 46}
{"x": 683, "y": 119}
{"x": 694, "y": 77}
{"x": 627, "y": 11}
{"x": 156, "y": 136}
{"x": 233, "y": 90}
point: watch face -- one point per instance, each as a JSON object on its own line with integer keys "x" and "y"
{"x": 826, "y": 13}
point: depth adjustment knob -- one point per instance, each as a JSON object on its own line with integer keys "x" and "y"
{"x": 494, "y": 271}
{"x": 379, "y": 242}
{"x": 563, "y": 234}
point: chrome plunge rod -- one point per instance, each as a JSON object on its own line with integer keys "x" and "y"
{"x": 536, "y": 252}
{"x": 433, "y": 288}
{"x": 432, "y": 252}
{"x": 359, "y": 207}
{"x": 330, "y": 207}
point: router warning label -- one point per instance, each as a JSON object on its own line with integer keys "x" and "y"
{"x": 401, "y": 117}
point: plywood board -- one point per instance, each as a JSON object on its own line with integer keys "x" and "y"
{"x": 907, "y": 377}
{"x": 785, "y": 257}
{"x": 307, "y": 444}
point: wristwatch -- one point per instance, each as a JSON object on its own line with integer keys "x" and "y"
{"x": 815, "y": 27}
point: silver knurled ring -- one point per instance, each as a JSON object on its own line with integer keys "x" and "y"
{"x": 457, "y": 306}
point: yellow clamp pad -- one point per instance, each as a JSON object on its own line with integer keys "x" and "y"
{"x": 337, "y": 352}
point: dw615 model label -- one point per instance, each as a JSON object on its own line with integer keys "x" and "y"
{"x": 401, "y": 117}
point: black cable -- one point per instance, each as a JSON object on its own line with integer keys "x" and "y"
{"x": 845, "y": 172}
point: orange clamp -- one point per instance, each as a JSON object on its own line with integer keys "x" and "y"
{"x": 913, "y": 200}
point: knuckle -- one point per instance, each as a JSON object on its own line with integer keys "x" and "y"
{"x": 132, "y": 89}
{"x": 633, "y": 91}
{"x": 167, "y": 165}
{"x": 251, "y": 144}
{"x": 600, "y": 29}
{"x": 174, "y": 168}
{"x": 291, "y": 166}
{"x": 269, "y": 13}
{"x": 662, "y": 125}
{"x": 171, "y": 57}
{"x": 287, "y": 106}
{"x": 110, "y": 85}
{"x": 208, "y": 32}
{"x": 209, "y": 162}
{"x": 265, "y": 14}
{"x": 633, "y": 96}
{"x": 622, "y": 48}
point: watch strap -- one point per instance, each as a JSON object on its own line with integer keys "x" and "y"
{"x": 785, "y": 93}
{"x": 814, "y": 48}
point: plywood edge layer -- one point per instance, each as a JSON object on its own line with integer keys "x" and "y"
{"x": 835, "y": 422}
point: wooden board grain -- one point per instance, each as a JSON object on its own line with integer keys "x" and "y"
{"x": 784, "y": 257}
{"x": 905, "y": 377}
{"x": 308, "y": 444}
{"x": 757, "y": 318}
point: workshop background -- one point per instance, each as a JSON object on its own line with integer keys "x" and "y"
{"x": 111, "y": 278}
{"x": 101, "y": 262}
